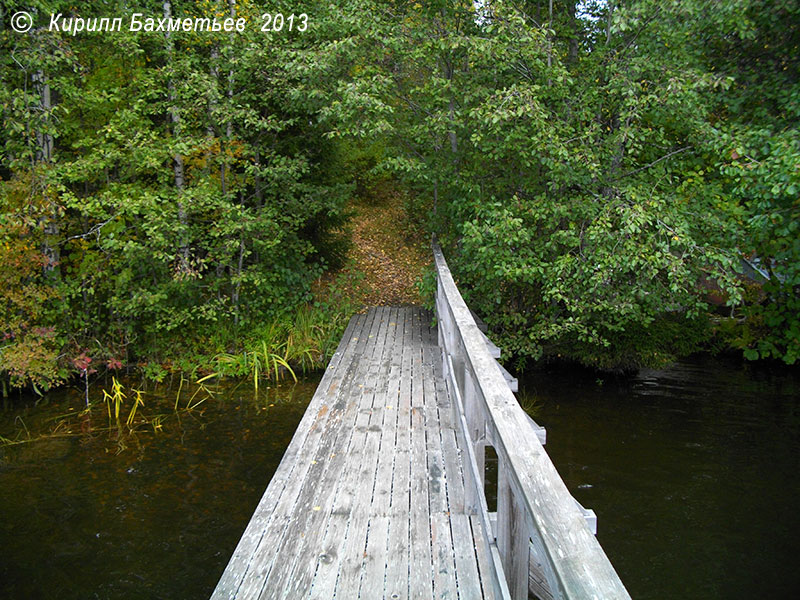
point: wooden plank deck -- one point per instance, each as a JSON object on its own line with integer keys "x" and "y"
{"x": 368, "y": 501}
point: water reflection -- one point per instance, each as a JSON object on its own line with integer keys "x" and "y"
{"x": 692, "y": 472}
{"x": 155, "y": 514}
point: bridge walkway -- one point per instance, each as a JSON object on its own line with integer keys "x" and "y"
{"x": 369, "y": 499}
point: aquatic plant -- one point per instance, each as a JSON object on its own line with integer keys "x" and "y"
{"x": 114, "y": 401}
{"x": 269, "y": 362}
{"x": 121, "y": 404}
{"x": 137, "y": 401}
{"x": 115, "y": 398}
{"x": 530, "y": 403}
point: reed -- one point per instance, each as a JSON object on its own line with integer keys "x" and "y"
{"x": 530, "y": 403}
{"x": 157, "y": 423}
{"x": 178, "y": 395}
{"x": 264, "y": 363}
{"x": 191, "y": 404}
{"x": 137, "y": 402}
{"x": 121, "y": 404}
{"x": 115, "y": 399}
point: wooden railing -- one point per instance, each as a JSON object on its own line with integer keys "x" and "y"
{"x": 539, "y": 536}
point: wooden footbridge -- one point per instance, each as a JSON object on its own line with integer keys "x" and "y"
{"x": 381, "y": 491}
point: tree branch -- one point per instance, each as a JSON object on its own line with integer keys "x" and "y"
{"x": 655, "y": 162}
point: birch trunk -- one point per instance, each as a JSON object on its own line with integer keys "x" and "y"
{"x": 229, "y": 123}
{"x": 574, "y": 25}
{"x": 44, "y": 154}
{"x": 178, "y": 170}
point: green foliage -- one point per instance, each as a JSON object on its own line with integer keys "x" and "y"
{"x": 185, "y": 193}
{"x": 758, "y": 148}
{"x": 572, "y": 157}
{"x": 558, "y": 177}
{"x": 304, "y": 340}
{"x": 763, "y": 175}
{"x": 591, "y": 170}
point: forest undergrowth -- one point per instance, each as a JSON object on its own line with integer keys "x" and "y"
{"x": 389, "y": 250}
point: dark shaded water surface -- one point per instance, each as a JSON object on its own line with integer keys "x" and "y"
{"x": 151, "y": 515}
{"x": 693, "y": 471}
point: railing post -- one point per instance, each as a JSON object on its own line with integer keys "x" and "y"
{"x": 439, "y": 315}
{"x": 477, "y": 428}
{"x": 475, "y": 435}
{"x": 513, "y": 535}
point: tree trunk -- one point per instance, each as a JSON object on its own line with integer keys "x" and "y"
{"x": 44, "y": 139}
{"x": 448, "y": 72}
{"x": 229, "y": 124}
{"x": 549, "y": 42}
{"x": 574, "y": 25}
{"x": 178, "y": 170}
{"x": 238, "y": 286}
{"x": 44, "y": 154}
{"x": 257, "y": 183}
{"x": 212, "y": 104}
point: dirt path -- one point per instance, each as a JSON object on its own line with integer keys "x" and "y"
{"x": 390, "y": 252}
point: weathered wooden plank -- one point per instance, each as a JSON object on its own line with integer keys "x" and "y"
{"x": 301, "y": 520}
{"x": 377, "y": 553}
{"x": 453, "y": 471}
{"x": 381, "y": 498}
{"x": 415, "y": 329}
{"x": 376, "y": 557}
{"x": 421, "y": 563}
{"x": 354, "y": 554}
{"x": 469, "y": 583}
{"x": 328, "y": 539}
{"x": 442, "y": 549}
{"x": 443, "y": 559}
{"x": 437, "y": 490}
{"x": 397, "y": 571}
{"x": 353, "y": 549}
{"x": 290, "y": 469}
{"x": 429, "y": 329}
{"x": 484, "y": 558}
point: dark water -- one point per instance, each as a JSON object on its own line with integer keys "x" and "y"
{"x": 694, "y": 473}
{"x": 153, "y": 515}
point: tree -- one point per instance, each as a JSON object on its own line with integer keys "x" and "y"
{"x": 190, "y": 198}
{"x": 568, "y": 204}
{"x": 757, "y": 146}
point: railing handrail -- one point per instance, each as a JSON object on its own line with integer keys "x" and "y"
{"x": 536, "y": 513}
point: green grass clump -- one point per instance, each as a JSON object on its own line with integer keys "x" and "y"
{"x": 303, "y": 341}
